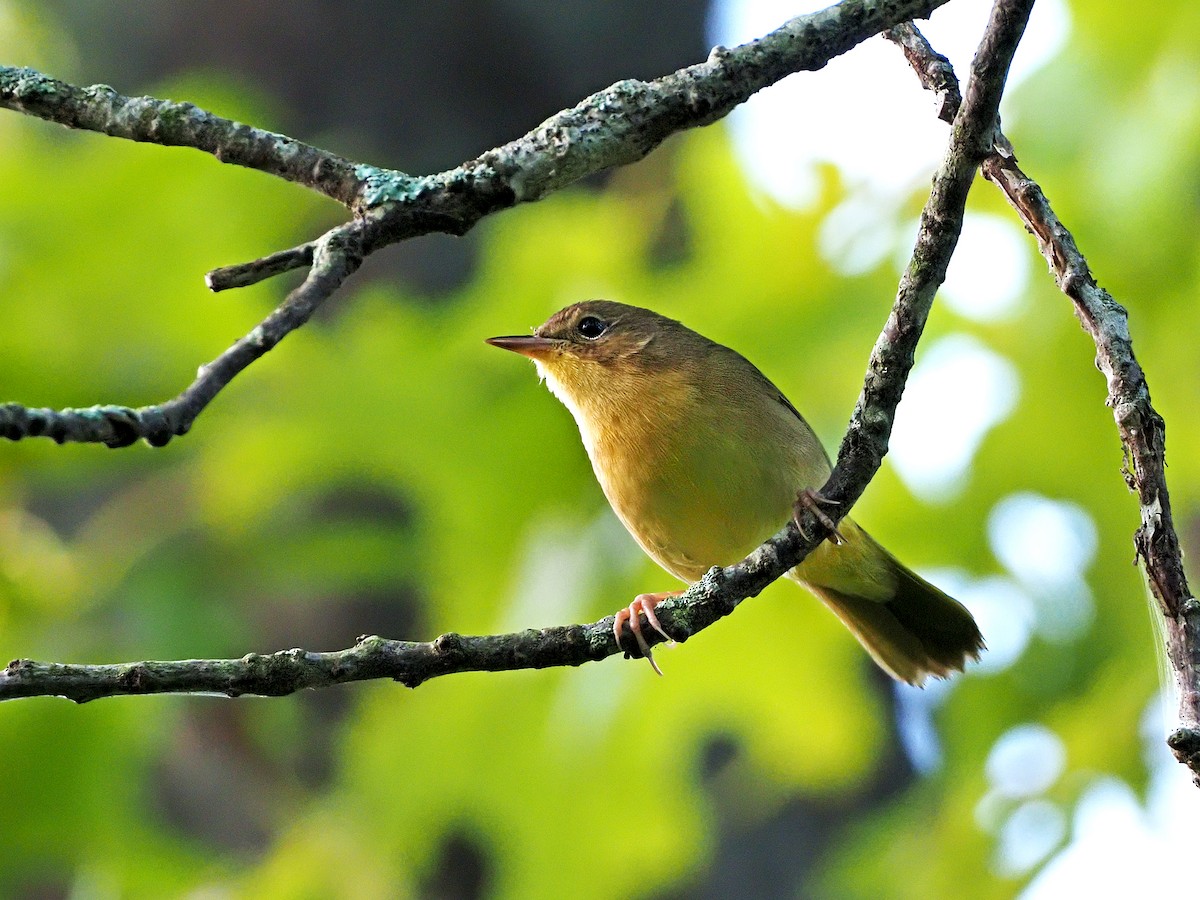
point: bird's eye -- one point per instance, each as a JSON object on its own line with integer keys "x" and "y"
{"x": 591, "y": 327}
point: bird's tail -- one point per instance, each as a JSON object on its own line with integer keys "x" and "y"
{"x": 914, "y": 632}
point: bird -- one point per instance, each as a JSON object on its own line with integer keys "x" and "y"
{"x": 703, "y": 458}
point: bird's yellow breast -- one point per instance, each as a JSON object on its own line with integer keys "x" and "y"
{"x": 699, "y": 469}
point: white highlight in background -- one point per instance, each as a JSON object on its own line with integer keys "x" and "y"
{"x": 1119, "y": 843}
{"x": 1004, "y": 612}
{"x": 1048, "y": 546}
{"x": 989, "y": 270}
{"x": 957, "y": 392}
{"x": 1025, "y": 761}
{"x": 865, "y": 111}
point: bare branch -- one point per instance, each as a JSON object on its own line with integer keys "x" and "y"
{"x": 334, "y": 258}
{"x": 721, "y": 590}
{"x": 1141, "y": 428}
{"x": 616, "y": 126}
{"x": 246, "y": 274}
{"x": 100, "y": 108}
{"x": 932, "y": 68}
{"x": 288, "y": 671}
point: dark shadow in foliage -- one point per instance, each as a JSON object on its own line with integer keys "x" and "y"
{"x": 779, "y": 857}
{"x": 463, "y": 870}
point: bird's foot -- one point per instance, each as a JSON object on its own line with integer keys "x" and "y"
{"x": 643, "y": 604}
{"x": 812, "y": 500}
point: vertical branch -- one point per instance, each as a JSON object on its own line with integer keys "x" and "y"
{"x": 1141, "y": 428}
{"x": 1143, "y": 438}
{"x": 972, "y": 139}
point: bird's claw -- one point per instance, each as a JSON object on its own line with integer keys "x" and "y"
{"x": 812, "y": 500}
{"x": 643, "y": 604}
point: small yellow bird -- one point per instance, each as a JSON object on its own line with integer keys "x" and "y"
{"x": 703, "y": 458}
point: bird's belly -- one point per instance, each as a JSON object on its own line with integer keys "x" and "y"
{"x": 691, "y": 518}
{"x": 688, "y": 544}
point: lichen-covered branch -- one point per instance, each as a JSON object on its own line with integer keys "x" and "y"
{"x": 100, "y": 108}
{"x": 616, "y": 126}
{"x": 410, "y": 663}
{"x": 624, "y": 122}
{"x": 721, "y": 590}
{"x": 1141, "y": 428}
{"x": 613, "y": 127}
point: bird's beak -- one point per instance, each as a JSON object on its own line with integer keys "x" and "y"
{"x": 526, "y": 344}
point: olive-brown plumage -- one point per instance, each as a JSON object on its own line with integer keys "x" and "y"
{"x": 702, "y": 459}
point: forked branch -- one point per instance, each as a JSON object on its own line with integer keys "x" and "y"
{"x": 616, "y": 126}
{"x": 1140, "y": 427}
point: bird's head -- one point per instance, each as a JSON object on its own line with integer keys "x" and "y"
{"x": 598, "y": 352}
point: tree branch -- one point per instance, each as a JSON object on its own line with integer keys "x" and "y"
{"x": 334, "y": 258}
{"x": 1141, "y": 428}
{"x": 616, "y": 126}
{"x": 721, "y": 590}
{"x": 972, "y": 137}
{"x": 100, "y": 108}
{"x": 246, "y": 274}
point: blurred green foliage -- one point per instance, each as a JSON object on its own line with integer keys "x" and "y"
{"x": 384, "y": 471}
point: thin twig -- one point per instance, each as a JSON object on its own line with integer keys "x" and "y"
{"x": 714, "y": 596}
{"x": 100, "y": 108}
{"x": 248, "y": 273}
{"x": 934, "y": 70}
{"x": 335, "y": 257}
{"x": 1141, "y": 428}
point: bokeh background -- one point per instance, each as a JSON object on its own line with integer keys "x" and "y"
{"x": 383, "y": 471}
